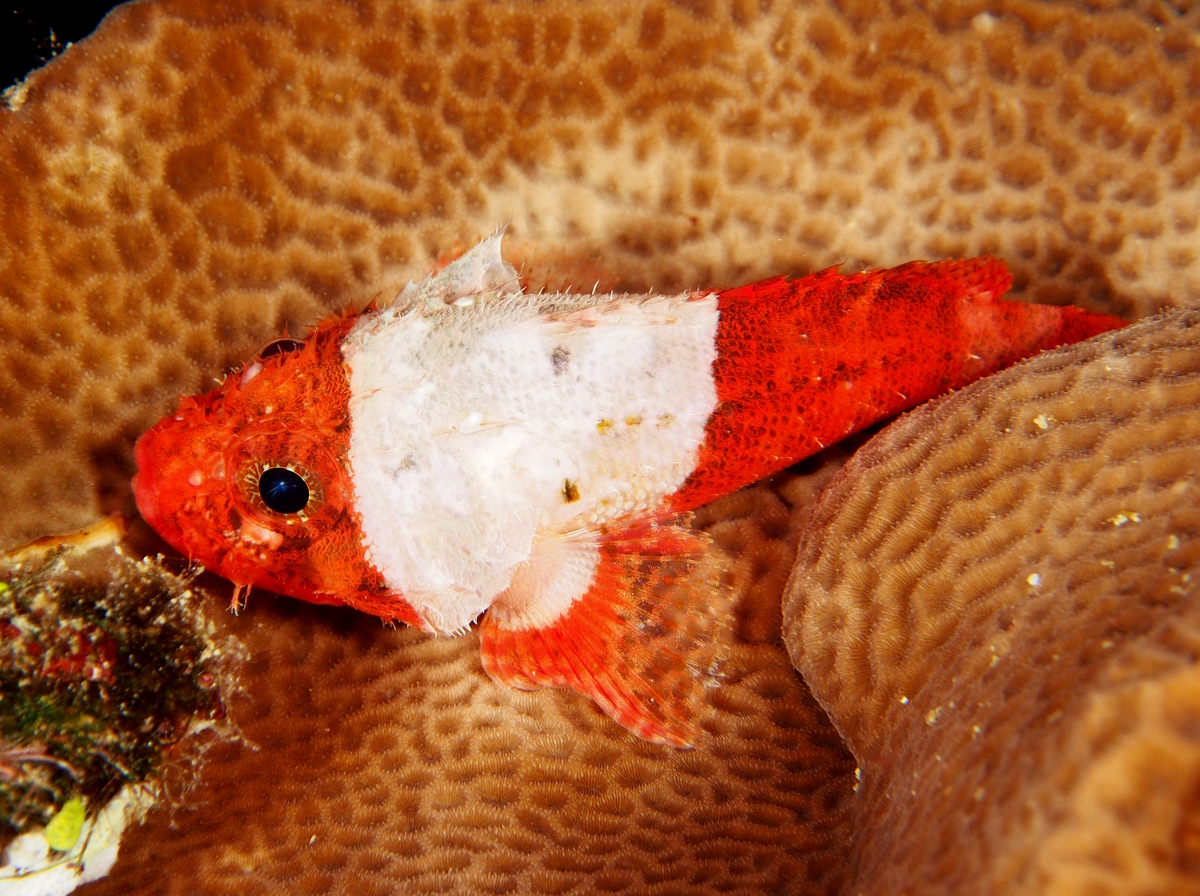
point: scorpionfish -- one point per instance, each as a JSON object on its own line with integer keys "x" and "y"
{"x": 471, "y": 447}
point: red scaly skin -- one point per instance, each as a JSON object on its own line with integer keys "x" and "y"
{"x": 198, "y": 470}
{"x": 802, "y": 364}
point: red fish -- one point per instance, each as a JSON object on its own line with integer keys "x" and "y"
{"x": 473, "y": 448}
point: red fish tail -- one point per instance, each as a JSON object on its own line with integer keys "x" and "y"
{"x": 997, "y": 332}
{"x": 803, "y": 363}
{"x": 1075, "y": 325}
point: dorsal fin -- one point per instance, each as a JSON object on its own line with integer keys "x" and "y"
{"x": 480, "y": 271}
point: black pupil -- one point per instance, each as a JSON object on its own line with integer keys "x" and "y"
{"x": 283, "y": 490}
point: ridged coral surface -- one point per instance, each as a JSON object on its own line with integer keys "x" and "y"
{"x": 198, "y": 175}
{"x": 380, "y": 761}
{"x": 997, "y": 602}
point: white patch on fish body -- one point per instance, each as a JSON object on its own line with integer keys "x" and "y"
{"x": 476, "y": 429}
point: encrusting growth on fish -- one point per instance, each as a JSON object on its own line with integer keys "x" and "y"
{"x": 471, "y": 448}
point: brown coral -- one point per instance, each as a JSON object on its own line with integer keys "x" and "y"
{"x": 996, "y": 601}
{"x": 199, "y": 175}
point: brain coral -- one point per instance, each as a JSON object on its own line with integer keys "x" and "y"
{"x": 199, "y": 175}
{"x": 996, "y": 600}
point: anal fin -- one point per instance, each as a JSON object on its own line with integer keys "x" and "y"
{"x": 643, "y": 638}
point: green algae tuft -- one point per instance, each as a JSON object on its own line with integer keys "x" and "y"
{"x": 106, "y": 663}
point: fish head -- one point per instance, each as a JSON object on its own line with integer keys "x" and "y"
{"x": 251, "y": 480}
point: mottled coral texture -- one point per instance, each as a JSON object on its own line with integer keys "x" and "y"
{"x": 998, "y": 602}
{"x": 197, "y": 176}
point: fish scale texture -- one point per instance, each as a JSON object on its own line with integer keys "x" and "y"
{"x": 801, "y": 364}
{"x": 200, "y": 175}
{"x": 376, "y": 761}
{"x": 997, "y": 602}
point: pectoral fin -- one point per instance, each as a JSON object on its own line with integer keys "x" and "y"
{"x": 642, "y": 636}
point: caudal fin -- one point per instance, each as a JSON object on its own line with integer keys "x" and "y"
{"x": 998, "y": 332}
{"x": 1076, "y": 325}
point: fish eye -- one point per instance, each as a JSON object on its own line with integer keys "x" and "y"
{"x": 283, "y": 490}
{"x": 280, "y": 346}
